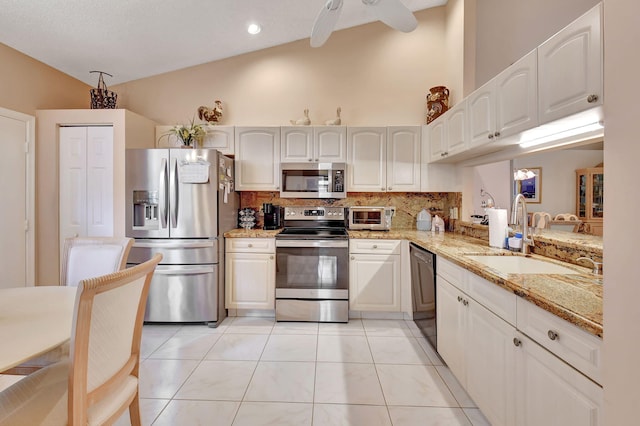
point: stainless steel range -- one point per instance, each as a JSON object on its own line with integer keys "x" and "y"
{"x": 312, "y": 265}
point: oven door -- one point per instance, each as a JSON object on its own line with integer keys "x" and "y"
{"x": 312, "y": 269}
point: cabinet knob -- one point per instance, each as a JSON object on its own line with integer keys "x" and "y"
{"x": 552, "y": 335}
{"x": 465, "y": 302}
{"x": 278, "y": 188}
{"x": 310, "y": 159}
{"x": 271, "y": 257}
{"x": 459, "y": 298}
{"x": 389, "y": 188}
{"x": 517, "y": 341}
{"x": 446, "y": 153}
{"x": 375, "y": 246}
{"x": 497, "y": 134}
{"x": 592, "y": 98}
{"x": 490, "y": 135}
{"x": 317, "y": 160}
{"x": 353, "y": 258}
{"x": 249, "y": 245}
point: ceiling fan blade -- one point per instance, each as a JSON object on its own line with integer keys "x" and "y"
{"x": 393, "y": 13}
{"x": 325, "y": 22}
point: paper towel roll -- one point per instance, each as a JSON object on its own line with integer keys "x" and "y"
{"x": 497, "y": 227}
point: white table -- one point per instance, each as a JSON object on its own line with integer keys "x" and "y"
{"x": 33, "y": 320}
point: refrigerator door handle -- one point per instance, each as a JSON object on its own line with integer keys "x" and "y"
{"x": 162, "y": 202}
{"x": 173, "y": 190}
{"x": 190, "y": 271}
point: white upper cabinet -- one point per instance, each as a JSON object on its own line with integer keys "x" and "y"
{"x": 257, "y": 159}
{"x": 325, "y": 144}
{"x": 403, "y": 158}
{"x": 330, "y": 144}
{"x": 448, "y": 133}
{"x": 366, "y": 159}
{"x": 570, "y": 68}
{"x": 217, "y": 137}
{"x": 296, "y": 144}
{"x": 505, "y": 105}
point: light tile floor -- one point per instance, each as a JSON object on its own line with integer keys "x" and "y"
{"x": 254, "y": 371}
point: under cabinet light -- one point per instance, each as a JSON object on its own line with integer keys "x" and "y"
{"x": 591, "y": 127}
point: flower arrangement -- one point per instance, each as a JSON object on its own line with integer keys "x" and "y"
{"x": 188, "y": 134}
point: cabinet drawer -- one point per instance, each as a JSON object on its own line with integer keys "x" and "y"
{"x": 374, "y": 246}
{"x": 575, "y": 346}
{"x": 251, "y": 245}
{"x": 498, "y": 300}
{"x": 451, "y": 272}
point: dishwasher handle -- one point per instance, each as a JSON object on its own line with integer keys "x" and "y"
{"x": 422, "y": 254}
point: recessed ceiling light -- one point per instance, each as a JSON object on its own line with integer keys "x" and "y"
{"x": 253, "y": 29}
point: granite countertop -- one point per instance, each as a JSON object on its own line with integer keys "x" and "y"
{"x": 577, "y": 298}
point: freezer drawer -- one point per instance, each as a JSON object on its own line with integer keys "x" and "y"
{"x": 183, "y": 294}
{"x": 175, "y": 252}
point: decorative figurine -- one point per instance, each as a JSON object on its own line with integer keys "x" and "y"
{"x": 211, "y": 115}
{"x": 302, "y": 121}
{"x": 336, "y": 121}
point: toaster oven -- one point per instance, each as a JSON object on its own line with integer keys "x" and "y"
{"x": 371, "y": 218}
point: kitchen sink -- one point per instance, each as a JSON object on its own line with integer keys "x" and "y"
{"x": 521, "y": 265}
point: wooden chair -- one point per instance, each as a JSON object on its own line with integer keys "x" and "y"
{"x": 92, "y": 256}
{"x": 540, "y": 220}
{"x": 99, "y": 381}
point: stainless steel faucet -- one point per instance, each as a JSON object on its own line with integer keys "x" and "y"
{"x": 526, "y": 241}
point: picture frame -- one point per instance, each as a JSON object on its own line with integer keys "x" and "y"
{"x": 531, "y": 188}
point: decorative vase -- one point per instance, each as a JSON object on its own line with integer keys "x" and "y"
{"x": 437, "y": 102}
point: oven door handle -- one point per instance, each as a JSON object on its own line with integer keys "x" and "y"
{"x": 313, "y": 243}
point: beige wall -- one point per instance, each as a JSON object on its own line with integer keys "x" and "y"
{"x": 27, "y": 85}
{"x": 621, "y": 233}
{"x": 377, "y": 75}
{"x": 130, "y": 130}
{"x": 506, "y": 30}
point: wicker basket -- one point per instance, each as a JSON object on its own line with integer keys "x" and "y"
{"x": 101, "y": 97}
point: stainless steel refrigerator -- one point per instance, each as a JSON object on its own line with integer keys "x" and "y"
{"x": 180, "y": 202}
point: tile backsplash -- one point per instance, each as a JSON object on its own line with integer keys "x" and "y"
{"x": 407, "y": 204}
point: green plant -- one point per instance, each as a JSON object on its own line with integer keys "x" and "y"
{"x": 188, "y": 134}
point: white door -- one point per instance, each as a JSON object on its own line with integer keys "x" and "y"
{"x": 86, "y": 182}
{"x": 16, "y": 187}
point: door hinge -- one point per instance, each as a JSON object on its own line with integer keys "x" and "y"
{"x": 26, "y": 225}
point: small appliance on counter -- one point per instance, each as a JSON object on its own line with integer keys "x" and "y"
{"x": 272, "y": 216}
{"x": 371, "y": 218}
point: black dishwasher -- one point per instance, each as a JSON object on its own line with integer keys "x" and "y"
{"x": 423, "y": 288}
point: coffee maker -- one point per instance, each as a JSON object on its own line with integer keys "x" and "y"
{"x": 272, "y": 216}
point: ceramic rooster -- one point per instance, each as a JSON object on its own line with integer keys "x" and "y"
{"x": 211, "y": 115}
{"x": 302, "y": 121}
{"x": 336, "y": 121}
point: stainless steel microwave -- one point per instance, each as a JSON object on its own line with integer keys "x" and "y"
{"x": 312, "y": 180}
{"x": 371, "y": 218}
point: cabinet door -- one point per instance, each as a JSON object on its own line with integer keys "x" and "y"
{"x": 517, "y": 97}
{"x": 296, "y": 144}
{"x": 490, "y": 363}
{"x": 570, "y": 68}
{"x": 437, "y": 139}
{"x": 550, "y": 392}
{"x": 250, "y": 281}
{"x": 221, "y": 138}
{"x": 374, "y": 282}
{"x": 457, "y": 140}
{"x": 451, "y": 325}
{"x": 99, "y": 182}
{"x": 366, "y": 159}
{"x": 435, "y": 177}
{"x": 481, "y": 107}
{"x": 330, "y": 144}
{"x": 257, "y": 158}
{"x": 403, "y": 158}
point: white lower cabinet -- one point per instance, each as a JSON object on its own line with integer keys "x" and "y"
{"x": 550, "y": 392}
{"x": 513, "y": 379}
{"x": 374, "y": 275}
{"x": 250, "y": 270}
{"x": 477, "y": 346}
